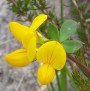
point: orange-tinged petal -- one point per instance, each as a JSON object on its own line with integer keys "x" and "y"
{"x": 38, "y": 21}
{"x": 18, "y": 30}
{"x": 52, "y": 53}
{"x": 18, "y": 58}
{"x": 46, "y": 74}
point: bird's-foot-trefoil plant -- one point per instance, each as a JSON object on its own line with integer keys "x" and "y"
{"x": 51, "y": 52}
{"x": 52, "y": 43}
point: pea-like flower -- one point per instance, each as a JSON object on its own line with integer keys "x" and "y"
{"x": 22, "y": 57}
{"x": 27, "y": 36}
{"x": 19, "y": 31}
{"x": 18, "y": 58}
{"x": 53, "y": 56}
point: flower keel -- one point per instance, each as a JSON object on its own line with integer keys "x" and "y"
{"x": 46, "y": 74}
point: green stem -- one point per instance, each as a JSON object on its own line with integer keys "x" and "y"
{"x": 71, "y": 79}
{"x": 58, "y": 82}
{"x": 62, "y": 13}
{"x": 63, "y": 79}
{"x": 51, "y": 84}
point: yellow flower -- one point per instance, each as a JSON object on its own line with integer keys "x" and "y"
{"x": 22, "y": 57}
{"x": 19, "y": 30}
{"x": 53, "y": 55}
{"x": 26, "y": 39}
{"x": 46, "y": 73}
{"x": 17, "y": 58}
{"x": 27, "y": 36}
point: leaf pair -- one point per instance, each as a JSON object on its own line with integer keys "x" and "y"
{"x": 68, "y": 28}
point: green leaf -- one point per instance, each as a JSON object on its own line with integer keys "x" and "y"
{"x": 68, "y": 28}
{"x": 52, "y": 32}
{"x": 71, "y": 46}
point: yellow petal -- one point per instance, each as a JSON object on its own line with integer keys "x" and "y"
{"x": 18, "y": 30}
{"x": 38, "y": 21}
{"x": 46, "y": 74}
{"x": 27, "y": 38}
{"x": 18, "y": 58}
{"x": 31, "y": 49}
{"x": 52, "y": 53}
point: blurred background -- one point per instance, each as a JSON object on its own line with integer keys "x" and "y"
{"x": 22, "y": 79}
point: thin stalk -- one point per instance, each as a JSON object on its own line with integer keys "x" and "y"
{"x": 63, "y": 77}
{"x": 51, "y": 84}
{"x": 71, "y": 79}
{"x": 58, "y": 81}
{"x": 87, "y": 70}
{"x": 62, "y": 12}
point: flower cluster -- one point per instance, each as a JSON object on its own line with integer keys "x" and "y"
{"x": 50, "y": 53}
